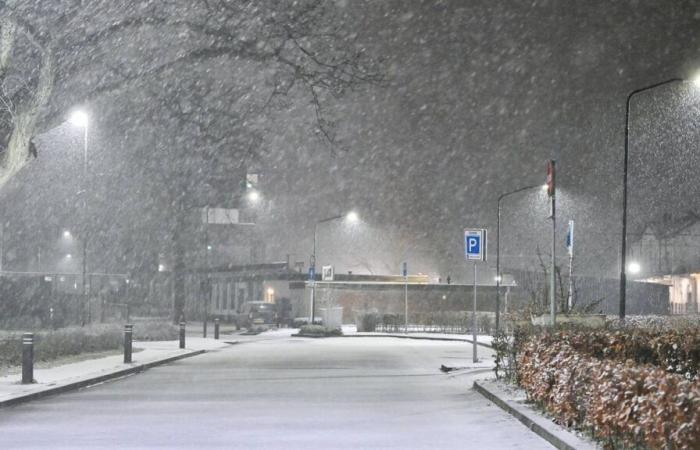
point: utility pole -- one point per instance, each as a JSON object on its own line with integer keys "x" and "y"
{"x": 405, "y": 296}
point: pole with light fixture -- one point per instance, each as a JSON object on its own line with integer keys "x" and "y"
{"x": 499, "y": 276}
{"x": 80, "y": 119}
{"x": 623, "y": 242}
{"x": 351, "y": 217}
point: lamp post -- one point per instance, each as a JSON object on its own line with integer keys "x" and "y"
{"x": 499, "y": 277}
{"x": 80, "y": 119}
{"x": 351, "y": 217}
{"x": 623, "y": 244}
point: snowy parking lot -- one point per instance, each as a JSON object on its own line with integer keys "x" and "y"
{"x": 283, "y": 392}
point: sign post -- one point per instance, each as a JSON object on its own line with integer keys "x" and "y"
{"x": 405, "y": 296}
{"x": 475, "y": 250}
{"x": 570, "y": 248}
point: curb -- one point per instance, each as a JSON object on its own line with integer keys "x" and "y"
{"x": 94, "y": 380}
{"x": 403, "y": 336}
{"x": 569, "y": 442}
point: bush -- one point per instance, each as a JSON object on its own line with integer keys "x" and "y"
{"x": 622, "y": 403}
{"x": 155, "y": 330}
{"x": 50, "y": 345}
{"x": 368, "y": 322}
{"x": 319, "y": 330}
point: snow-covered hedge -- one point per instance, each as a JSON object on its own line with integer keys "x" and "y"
{"x": 625, "y": 404}
{"x": 50, "y": 345}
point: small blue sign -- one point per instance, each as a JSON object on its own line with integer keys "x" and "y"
{"x": 312, "y": 273}
{"x": 475, "y": 245}
{"x": 405, "y": 269}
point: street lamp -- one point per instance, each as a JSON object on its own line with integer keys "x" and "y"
{"x": 634, "y": 268}
{"x": 623, "y": 244}
{"x": 499, "y": 276}
{"x": 350, "y": 217}
{"x": 80, "y": 119}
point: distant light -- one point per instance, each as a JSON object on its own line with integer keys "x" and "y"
{"x": 66, "y": 234}
{"x": 352, "y": 217}
{"x": 128, "y": 281}
{"x": 498, "y": 278}
{"x": 696, "y": 80}
{"x": 270, "y": 291}
{"x": 634, "y": 268}
{"x": 69, "y": 256}
{"x": 444, "y": 297}
{"x": 208, "y": 247}
{"x": 62, "y": 279}
{"x": 253, "y": 196}
{"x": 545, "y": 187}
{"x": 161, "y": 268}
{"x": 79, "y": 118}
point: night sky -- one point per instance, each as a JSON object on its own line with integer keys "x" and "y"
{"x": 479, "y": 95}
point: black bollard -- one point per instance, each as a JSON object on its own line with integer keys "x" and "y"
{"x": 28, "y": 358}
{"x": 182, "y": 334}
{"x": 216, "y": 328}
{"x": 204, "y": 328}
{"x": 128, "y": 336}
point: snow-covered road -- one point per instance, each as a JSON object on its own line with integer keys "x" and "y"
{"x": 282, "y": 392}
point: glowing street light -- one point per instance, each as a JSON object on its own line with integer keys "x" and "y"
{"x": 499, "y": 276}
{"x": 634, "y": 268}
{"x": 695, "y": 81}
{"x": 351, "y": 217}
{"x": 254, "y": 196}
{"x": 66, "y": 234}
{"x": 79, "y": 118}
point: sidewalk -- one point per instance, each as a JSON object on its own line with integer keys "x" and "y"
{"x": 485, "y": 340}
{"x": 512, "y": 400}
{"x": 71, "y": 376}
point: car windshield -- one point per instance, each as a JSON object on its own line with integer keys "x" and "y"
{"x": 432, "y": 223}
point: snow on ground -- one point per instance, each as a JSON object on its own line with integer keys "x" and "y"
{"x": 10, "y": 386}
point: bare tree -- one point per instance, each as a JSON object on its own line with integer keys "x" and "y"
{"x": 185, "y": 50}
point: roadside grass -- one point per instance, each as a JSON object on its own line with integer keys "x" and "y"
{"x": 53, "y": 345}
{"x": 16, "y": 370}
{"x": 319, "y": 331}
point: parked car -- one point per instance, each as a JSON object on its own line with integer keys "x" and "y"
{"x": 256, "y": 313}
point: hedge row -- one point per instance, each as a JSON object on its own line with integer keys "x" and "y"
{"x": 50, "y": 345}
{"x": 675, "y": 351}
{"x": 622, "y": 403}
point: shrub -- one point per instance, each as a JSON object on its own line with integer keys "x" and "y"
{"x": 368, "y": 322}
{"x": 50, "y": 345}
{"x": 319, "y": 330}
{"x": 620, "y": 402}
{"x": 155, "y": 330}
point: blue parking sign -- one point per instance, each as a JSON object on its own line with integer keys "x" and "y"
{"x": 475, "y": 244}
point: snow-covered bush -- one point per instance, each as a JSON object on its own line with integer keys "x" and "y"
{"x": 626, "y": 405}
{"x": 50, "y": 345}
{"x": 319, "y": 331}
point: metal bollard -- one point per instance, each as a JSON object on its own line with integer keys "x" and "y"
{"x": 28, "y": 358}
{"x": 216, "y": 328}
{"x": 204, "y": 328}
{"x": 182, "y": 334}
{"x": 128, "y": 336}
